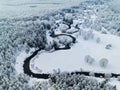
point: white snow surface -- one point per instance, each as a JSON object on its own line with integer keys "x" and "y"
{"x": 73, "y": 59}
{"x": 26, "y": 8}
{"x": 65, "y": 60}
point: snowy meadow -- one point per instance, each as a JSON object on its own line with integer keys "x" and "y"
{"x": 45, "y": 45}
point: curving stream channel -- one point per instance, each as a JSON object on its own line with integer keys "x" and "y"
{"x": 26, "y": 65}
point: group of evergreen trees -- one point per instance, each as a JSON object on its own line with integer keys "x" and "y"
{"x": 66, "y": 81}
{"x": 17, "y": 35}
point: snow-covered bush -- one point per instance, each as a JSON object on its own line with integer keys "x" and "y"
{"x": 49, "y": 43}
{"x": 58, "y": 16}
{"x": 62, "y": 41}
{"x": 45, "y": 24}
{"x": 68, "y": 19}
{"x": 118, "y": 78}
{"x": 103, "y": 62}
{"x": 98, "y": 40}
{"x": 87, "y": 35}
{"x": 88, "y": 59}
{"x": 49, "y": 46}
{"x": 63, "y": 27}
{"x": 108, "y": 46}
{"x": 108, "y": 75}
{"x": 66, "y": 41}
{"x": 104, "y": 32}
{"x": 72, "y": 30}
{"x": 91, "y": 74}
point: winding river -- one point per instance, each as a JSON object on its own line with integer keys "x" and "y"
{"x": 26, "y": 65}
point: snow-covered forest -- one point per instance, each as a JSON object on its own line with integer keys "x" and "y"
{"x": 59, "y": 45}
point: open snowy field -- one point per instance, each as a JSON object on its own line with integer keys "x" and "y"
{"x": 36, "y": 42}
{"x": 102, "y": 45}
{"x": 25, "y": 8}
{"x": 73, "y": 59}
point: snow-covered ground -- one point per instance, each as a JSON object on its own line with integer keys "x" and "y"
{"x": 26, "y": 8}
{"x": 73, "y": 59}
{"x": 66, "y": 60}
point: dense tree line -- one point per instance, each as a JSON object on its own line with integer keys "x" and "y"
{"x": 66, "y": 81}
{"x": 16, "y": 35}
